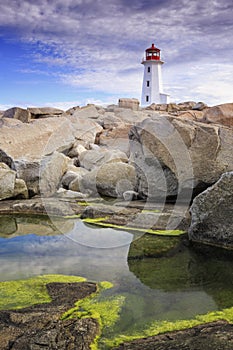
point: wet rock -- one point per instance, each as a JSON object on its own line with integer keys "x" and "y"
{"x": 212, "y": 336}
{"x": 211, "y": 212}
{"x": 47, "y": 206}
{"x": 40, "y": 326}
{"x": 153, "y": 246}
{"x": 105, "y": 211}
{"x": 8, "y": 226}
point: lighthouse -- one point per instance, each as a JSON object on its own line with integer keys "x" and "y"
{"x": 152, "y": 86}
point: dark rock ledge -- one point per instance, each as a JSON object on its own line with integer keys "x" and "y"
{"x": 212, "y": 336}
{"x": 40, "y": 327}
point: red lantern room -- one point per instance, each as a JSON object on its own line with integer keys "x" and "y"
{"x": 153, "y": 53}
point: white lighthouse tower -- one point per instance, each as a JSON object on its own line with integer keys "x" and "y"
{"x": 152, "y": 86}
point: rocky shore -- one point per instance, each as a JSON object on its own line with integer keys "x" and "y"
{"x": 165, "y": 167}
{"x": 40, "y": 326}
{"x": 162, "y": 153}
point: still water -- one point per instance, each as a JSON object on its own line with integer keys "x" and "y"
{"x": 177, "y": 286}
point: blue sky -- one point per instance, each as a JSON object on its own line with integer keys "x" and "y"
{"x": 73, "y": 52}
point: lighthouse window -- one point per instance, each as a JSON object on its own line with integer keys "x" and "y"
{"x": 147, "y": 98}
{"x": 148, "y": 70}
{"x": 148, "y": 83}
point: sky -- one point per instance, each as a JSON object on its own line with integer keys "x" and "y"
{"x": 65, "y": 53}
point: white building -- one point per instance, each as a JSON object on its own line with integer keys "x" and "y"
{"x": 152, "y": 86}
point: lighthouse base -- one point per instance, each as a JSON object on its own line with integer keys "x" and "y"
{"x": 160, "y": 99}
{"x": 164, "y": 98}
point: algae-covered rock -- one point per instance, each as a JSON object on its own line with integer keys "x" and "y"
{"x": 152, "y": 246}
{"x": 40, "y": 325}
{"x": 8, "y": 226}
{"x": 212, "y": 336}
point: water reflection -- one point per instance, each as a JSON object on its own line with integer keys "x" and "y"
{"x": 191, "y": 271}
{"x": 39, "y": 246}
{"x": 180, "y": 285}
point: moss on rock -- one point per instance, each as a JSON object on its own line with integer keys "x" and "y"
{"x": 102, "y": 222}
{"x": 18, "y": 294}
{"x": 152, "y": 246}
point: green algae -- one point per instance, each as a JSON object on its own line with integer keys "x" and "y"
{"x": 160, "y": 327}
{"x": 106, "y": 311}
{"x": 75, "y": 216}
{"x": 152, "y": 246}
{"x": 83, "y": 204}
{"x": 101, "y": 222}
{"x": 18, "y": 294}
{"x": 151, "y": 211}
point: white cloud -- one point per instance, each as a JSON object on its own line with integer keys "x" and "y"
{"x": 91, "y": 43}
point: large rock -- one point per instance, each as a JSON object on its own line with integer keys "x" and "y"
{"x": 191, "y": 115}
{"x": 89, "y": 111}
{"x": 110, "y": 179}
{"x": 85, "y": 131}
{"x": 76, "y": 150}
{"x": 131, "y": 103}
{"x": 18, "y": 113}
{"x": 29, "y": 172}
{"x": 110, "y": 121}
{"x": 7, "y": 181}
{"x": 199, "y": 106}
{"x": 52, "y": 169}
{"x": 44, "y": 112}
{"x": 42, "y": 176}
{"x": 32, "y": 141}
{"x": 20, "y": 189}
{"x": 73, "y": 175}
{"x": 117, "y": 138}
{"x": 221, "y": 114}
{"x": 129, "y": 116}
{"x": 44, "y": 136}
{"x": 173, "y": 156}
{"x": 212, "y": 214}
{"x": 95, "y": 158}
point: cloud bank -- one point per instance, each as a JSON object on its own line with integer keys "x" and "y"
{"x": 97, "y": 46}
